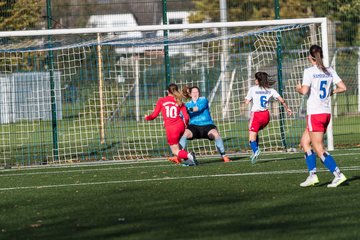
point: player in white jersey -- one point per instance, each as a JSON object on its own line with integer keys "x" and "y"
{"x": 260, "y": 95}
{"x": 317, "y": 82}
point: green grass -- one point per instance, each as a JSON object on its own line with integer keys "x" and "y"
{"x": 31, "y": 142}
{"x": 158, "y": 200}
{"x": 38, "y": 148}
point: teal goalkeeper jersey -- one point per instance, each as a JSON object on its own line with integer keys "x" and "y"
{"x": 201, "y": 117}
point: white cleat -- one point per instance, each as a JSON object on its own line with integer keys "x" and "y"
{"x": 311, "y": 180}
{"x": 191, "y": 162}
{"x": 254, "y": 156}
{"x": 337, "y": 181}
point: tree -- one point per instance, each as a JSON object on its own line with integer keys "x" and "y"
{"x": 71, "y": 14}
{"x": 20, "y": 14}
{"x": 346, "y": 12}
{"x": 343, "y": 12}
{"x": 75, "y": 13}
{"x": 208, "y": 10}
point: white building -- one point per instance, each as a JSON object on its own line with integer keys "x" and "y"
{"x": 115, "y": 20}
{"x": 128, "y": 20}
{"x": 26, "y": 96}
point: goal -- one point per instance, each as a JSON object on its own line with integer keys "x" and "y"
{"x": 77, "y": 95}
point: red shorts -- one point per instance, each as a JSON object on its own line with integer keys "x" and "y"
{"x": 317, "y": 122}
{"x": 174, "y": 133}
{"x": 259, "y": 120}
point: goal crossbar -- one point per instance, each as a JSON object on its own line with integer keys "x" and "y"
{"x": 259, "y": 23}
{"x": 105, "y": 122}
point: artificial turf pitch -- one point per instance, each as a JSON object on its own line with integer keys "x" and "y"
{"x": 160, "y": 200}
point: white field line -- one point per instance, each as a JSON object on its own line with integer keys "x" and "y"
{"x": 116, "y": 164}
{"x": 351, "y": 168}
{"x": 164, "y": 159}
{"x": 86, "y": 170}
{"x": 140, "y": 162}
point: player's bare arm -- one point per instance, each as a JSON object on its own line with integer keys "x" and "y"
{"x": 282, "y": 101}
{"x": 340, "y": 88}
{"x": 302, "y": 89}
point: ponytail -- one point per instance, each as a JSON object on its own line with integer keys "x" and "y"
{"x": 173, "y": 89}
{"x": 186, "y": 92}
{"x": 178, "y": 97}
{"x": 317, "y": 55}
{"x": 264, "y": 79}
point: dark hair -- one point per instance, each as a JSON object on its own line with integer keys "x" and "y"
{"x": 174, "y": 90}
{"x": 264, "y": 79}
{"x": 316, "y": 53}
{"x": 187, "y": 90}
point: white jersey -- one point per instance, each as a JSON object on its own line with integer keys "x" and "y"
{"x": 320, "y": 84}
{"x": 260, "y": 97}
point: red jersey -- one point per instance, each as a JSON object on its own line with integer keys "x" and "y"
{"x": 170, "y": 111}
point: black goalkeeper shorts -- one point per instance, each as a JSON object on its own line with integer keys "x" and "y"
{"x": 200, "y": 131}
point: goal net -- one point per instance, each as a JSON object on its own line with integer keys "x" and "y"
{"x": 81, "y": 94}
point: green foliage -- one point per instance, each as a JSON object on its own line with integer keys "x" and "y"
{"x": 208, "y": 10}
{"x": 345, "y": 12}
{"x": 72, "y": 14}
{"x": 19, "y": 15}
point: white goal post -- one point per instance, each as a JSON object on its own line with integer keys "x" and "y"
{"x": 108, "y": 82}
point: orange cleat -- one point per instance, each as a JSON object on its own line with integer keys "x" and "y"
{"x": 175, "y": 160}
{"x": 226, "y": 159}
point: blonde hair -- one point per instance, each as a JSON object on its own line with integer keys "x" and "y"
{"x": 186, "y": 92}
{"x": 174, "y": 90}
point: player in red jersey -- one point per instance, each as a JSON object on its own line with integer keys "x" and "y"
{"x": 170, "y": 107}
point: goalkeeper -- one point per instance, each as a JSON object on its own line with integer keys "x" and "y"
{"x": 201, "y": 125}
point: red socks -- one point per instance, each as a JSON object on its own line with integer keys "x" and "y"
{"x": 183, "y": 154}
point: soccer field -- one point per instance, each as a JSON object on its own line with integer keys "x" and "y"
{"x": 159, "y": 200}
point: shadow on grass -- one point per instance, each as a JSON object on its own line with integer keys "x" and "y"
{"x": 155, "y": 211}
{"x": 219, "y": 160}
{"x": 285, "y": 158}
{"x": 211, "y": 209}
{"x": 354, "y": 178}
{"x": 346, "y": 183}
